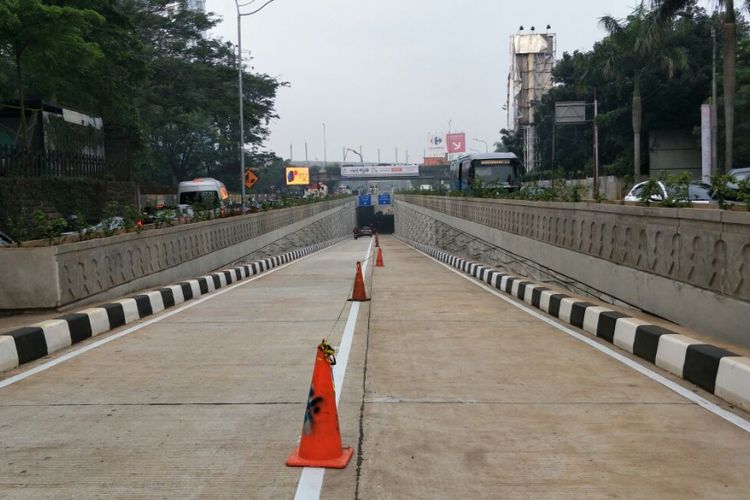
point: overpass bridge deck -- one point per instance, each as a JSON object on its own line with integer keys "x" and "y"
{"x": 447, "y": 392}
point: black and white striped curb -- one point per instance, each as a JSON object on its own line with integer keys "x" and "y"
{"x": 36, "y": 341}
{"x": 721, "y": 372}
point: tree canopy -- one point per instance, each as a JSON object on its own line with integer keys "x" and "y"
{"x": 669, "y": 69}
{"x": 166, "y": 91}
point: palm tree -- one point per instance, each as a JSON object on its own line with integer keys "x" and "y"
{"x": 632, "y": 47}
{"x": 665, "y": 10}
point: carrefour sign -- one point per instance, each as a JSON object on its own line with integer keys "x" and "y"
{"x": 379, "y": 170}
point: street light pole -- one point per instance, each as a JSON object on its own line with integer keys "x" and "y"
{"x": 357, "y": 153}
{"x": 240, "y": 15}
{"x": 486, "y": 146}
{"x": 325, "y": 158}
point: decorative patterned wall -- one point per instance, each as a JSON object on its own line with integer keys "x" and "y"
{"x": 90, "y": 267}
{"x": 709, "y": 249}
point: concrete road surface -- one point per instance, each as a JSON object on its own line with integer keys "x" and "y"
{"x": 450, "y": 392}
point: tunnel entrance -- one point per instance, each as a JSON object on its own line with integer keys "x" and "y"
{"x": 384, "y": 223}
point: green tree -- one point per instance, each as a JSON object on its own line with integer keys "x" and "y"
{"x": 188, "y": 104}
{"x": 667, "y": 103}
{"x": 48, "y": 39}
{"x": 633, "y": 47}
{"x": 665, "y": 10}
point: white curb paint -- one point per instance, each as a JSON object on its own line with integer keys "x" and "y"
{"x": 672, "y": 351}
{"x": 731, "y": 381}
{"x": 56, "y": 334}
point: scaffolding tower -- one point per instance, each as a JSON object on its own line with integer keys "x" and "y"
{"x": 532, "y": 60}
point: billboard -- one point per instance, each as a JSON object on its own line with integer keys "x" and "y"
{"x": 570, "y": 112}
{"x": 379, "y": 170}
{"x": 456, "y": 142}
{"x": 297, "y": 176}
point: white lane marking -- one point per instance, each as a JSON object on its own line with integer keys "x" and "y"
{"x": 682, "y": 391}
{"x": 94, "y": 345}
{"x": 311, "y": 478}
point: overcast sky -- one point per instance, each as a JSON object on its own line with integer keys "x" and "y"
{"x": 386, "y": 74}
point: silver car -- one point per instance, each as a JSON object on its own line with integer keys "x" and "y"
{"x": 698, "y": 192}
{"x": 739, "y": 174}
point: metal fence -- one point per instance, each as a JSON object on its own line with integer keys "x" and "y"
{"x": 15, "y": 162}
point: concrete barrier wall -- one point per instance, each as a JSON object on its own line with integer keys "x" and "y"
{"x": 690, "y": 266}
{"x": 88, "y": 271}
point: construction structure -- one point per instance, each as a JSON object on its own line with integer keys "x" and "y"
{"x": 532, "y": 60}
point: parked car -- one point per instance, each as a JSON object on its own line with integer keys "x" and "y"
{"x": 362, "y": 231}
{"x": 698, "y": 192}
{"x": 739, "y": 174}
{"x": 5, "y": 239}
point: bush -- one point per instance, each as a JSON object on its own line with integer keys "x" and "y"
{"x": 678, "y": 190}
{"x": 650, "y": 190}
{"x": 721, "y": 191}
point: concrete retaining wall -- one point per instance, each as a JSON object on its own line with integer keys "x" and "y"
{"x": 100, "y": 269}
{"x": 689, "y": 266}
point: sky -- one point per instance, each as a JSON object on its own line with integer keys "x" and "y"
{"x": 388, "y": 74}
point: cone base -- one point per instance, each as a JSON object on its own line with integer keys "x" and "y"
{"x": 340, "y": 462}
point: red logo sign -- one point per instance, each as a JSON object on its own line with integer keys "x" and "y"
{"x": 456, "y": 142}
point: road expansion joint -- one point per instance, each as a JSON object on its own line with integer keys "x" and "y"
{"x": 470, "y": 402}
{"x": 184, "y": 403}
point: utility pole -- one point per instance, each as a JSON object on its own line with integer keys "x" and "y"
{"x": 378, "y": 155}
{"x": 714, "y": 111}
{"x": 596, "y": 147}
{"x": 291, "y": 153}
{"x": 306, "y": 152}
{"x": 396, "y": 155}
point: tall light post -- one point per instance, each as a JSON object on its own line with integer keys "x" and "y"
{"x": 325, "y": 155}
{"x": 240, "y": 15}
{"x": 356, "y": 153}
{"x": 486, "y": 146}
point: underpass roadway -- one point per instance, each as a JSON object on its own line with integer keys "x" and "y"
{"x": 447, "y": 392}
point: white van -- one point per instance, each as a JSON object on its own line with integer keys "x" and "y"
{"x": 202, "y": 191}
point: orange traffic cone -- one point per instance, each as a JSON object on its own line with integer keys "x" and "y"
{"x": 379, "y": 260}
{"x": 377, "y": 241}
{"x": 320, "y": 445}
{"x": 359, "y": 294}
